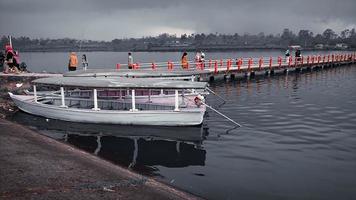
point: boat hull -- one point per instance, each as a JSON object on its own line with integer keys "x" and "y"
{"x": 157, "y": 118}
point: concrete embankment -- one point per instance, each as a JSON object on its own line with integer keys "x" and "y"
{"x": 34, "y": 166}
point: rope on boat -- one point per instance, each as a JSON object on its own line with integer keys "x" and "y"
{"x": 226, "y": 117}
{"x": 214, "y": 93}
{"x": 213, "y": 109}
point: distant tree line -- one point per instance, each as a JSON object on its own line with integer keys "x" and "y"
{"x": 329, "y": 39}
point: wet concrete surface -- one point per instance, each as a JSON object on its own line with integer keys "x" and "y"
{"x": 34, "y": 166}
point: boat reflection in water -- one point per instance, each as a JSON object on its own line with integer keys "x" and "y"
{"x": 138, "y": 147}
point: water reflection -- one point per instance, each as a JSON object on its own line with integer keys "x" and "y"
{"x": 297, "y": 140}
{"x": 137, "y": 147}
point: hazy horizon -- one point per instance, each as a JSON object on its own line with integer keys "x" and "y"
{"x": 110, "y": 19}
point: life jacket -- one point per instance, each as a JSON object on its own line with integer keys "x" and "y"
{"x": 185, "y": 62}
{"x": 8, "y": 48}
{"x": 73, "y": 60}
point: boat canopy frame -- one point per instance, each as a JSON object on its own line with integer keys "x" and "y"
{"x": 118, "y": 83}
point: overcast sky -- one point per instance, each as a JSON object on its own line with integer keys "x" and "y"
{"x": 109, "y": 19}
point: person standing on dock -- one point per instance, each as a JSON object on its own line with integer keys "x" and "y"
{"x": 85, "y": 62}
{"x": 9, "y": 60}
{"x": 202, "y": 59}
{"x": 298, "y": 54}
{"x": 287, "y": 54}
{"x": 185, "y": 60}
{"x": 130, "y": 61}
{"x": 197, "y": 57}
{"x": 73, "y": 62}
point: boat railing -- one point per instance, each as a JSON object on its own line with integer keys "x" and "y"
{"x": 103, "y": 104}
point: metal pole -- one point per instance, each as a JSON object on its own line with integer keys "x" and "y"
{"x": 95, "y": 95}
{"x": 133, "y": 101}
{"x": 62, "y": 97}
{"x": 10, "y": 40}
{"x": 35, "y": 93}
{"x": 226, "y": 117}
{"x": 215, "y": 94}
{"x": 176, "y": 106}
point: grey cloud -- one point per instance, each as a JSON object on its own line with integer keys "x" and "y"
{"x": 108, "y": 19}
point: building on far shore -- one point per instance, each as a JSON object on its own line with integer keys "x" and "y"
{"x": 319, "y": 46}
{"x": 341, "y": 46}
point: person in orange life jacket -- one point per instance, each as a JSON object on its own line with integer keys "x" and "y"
{"x": 73, "y": 62}
{"x": 185, "y": 60}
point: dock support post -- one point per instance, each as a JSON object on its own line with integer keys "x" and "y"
{"x": 176, "y": 100}
{"x": 35, "y": 93}
{"x": 149, "y": 96}
{"x": 133, "y": 101}
{"x": 62, "y": 98}
{"x": 95, "y": 96}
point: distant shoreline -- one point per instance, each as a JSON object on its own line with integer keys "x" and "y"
{"x": 172, "y": 49}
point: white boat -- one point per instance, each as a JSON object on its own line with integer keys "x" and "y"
{"x": 156, "y": 111}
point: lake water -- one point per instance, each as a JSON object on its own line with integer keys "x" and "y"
{"x": 58, "y": 62}
{"x": 297, "y": 140}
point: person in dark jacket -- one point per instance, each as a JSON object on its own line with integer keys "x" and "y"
{"x": 2, "y": 60}
{"x": 9, "y": 60}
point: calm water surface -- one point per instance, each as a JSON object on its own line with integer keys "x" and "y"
{"x": 58, "y": 62}
{"x": 298, "y": 140}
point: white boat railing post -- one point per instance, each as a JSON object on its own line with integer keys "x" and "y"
{"x": 35, "y": 93}
{"x": 62, "y": 97}
{"x": 149, "y": 96}
{"x": 183, "y": 97}
{"x": 133, "y": 101}
{"x": 95, "y": 96}
{"x": 192, "y": 79}
{"x": 176, "y": 105}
